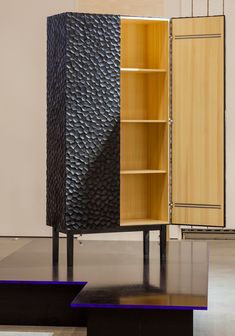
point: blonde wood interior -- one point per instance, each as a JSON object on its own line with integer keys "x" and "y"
{"x": 198, "y": 121}
{"x": 144, "y": 146}
{"x": 143, "y": 198}
{"x": 198, "y": 26}
{"x": 144, "y": 96}
{"x": 144, "y": 44}
{"x": 144, "y": 122}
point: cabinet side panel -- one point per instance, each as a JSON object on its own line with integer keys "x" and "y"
{"x": 198, "y": 121}
{"x": 56, "y": 85}
{"x": 92, "y": 122}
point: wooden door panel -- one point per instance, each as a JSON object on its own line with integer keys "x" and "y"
{"x": 198, "y": 121}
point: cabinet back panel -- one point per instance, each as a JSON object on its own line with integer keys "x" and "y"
{"x": 158, "y": 194}
{"x": 144, "y": 44}
{"x": 198, "y": 114}
{"x": 144, "y": 96}
{"x": 134, "y": 196}
{"x": 144, "y": 146}
{"x": 144, "y": 196}
{"x": 134, "y": 46}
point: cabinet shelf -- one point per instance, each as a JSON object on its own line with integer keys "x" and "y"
{"x": 143, "y": 121}
{"x": 140, "y": 70}
{"x": 142, "y": 171}
{"x": 146, "y": 221}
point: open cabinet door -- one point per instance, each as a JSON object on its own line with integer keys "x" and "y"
{"x": 198, "y": 121}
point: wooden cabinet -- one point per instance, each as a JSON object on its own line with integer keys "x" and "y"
{"x": 135, "y": 122}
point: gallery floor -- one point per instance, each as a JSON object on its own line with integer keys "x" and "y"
{"x": 218, "y": 320}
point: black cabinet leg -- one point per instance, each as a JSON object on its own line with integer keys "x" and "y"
{"x": 70, "y": 249}
{"x": 146, "y": 244}
{"x": 55, "y": 246}
{"x": 146, "y": 248}
{"x": 163, "y": 243}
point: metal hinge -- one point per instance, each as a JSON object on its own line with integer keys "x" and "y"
{"x": 170, "y": 121}
{"x": 170, "y": 211}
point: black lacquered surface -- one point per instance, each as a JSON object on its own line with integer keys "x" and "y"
{"x": 129, "y": 282}
{"x": 116, "y": 274}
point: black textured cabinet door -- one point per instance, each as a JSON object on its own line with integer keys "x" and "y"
{"x": 83, "y": 122}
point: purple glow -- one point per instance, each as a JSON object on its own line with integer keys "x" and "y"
{"x": 42, "y": 282}
{"x": 114, "y": 306}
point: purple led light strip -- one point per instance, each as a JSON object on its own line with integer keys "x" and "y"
{"x": 114, "y": 306}
{"x": 42, "y": 282}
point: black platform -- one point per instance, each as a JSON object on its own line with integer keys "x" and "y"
{"x": 120, "y": 285}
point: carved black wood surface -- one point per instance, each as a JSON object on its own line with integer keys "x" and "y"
{"x": 83, "y": 125}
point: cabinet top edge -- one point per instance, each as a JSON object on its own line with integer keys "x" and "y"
{"x": 145, "y": 18}
{"x": 122, "y": 17}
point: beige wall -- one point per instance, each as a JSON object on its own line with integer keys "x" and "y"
{"x": 177, "y": 8}
{"x": 124, "y": 7}
{"x": 23, "y": 100}
{"x": 230, "y": 112}
{"x": 23, "y": 113}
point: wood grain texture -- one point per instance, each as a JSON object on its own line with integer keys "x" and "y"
{"x": 197, "y": 216}
{"x": 144, "y": 44}
{"x": 144, "y": 146}
{"x": 198, "y": 126}
{"x": 195, "y": 26}
{"x": 144, "y": 96}
{"x": 144, "y": 65}
{"x": 134, "y": 197}
{"x": 144, "y": 199}
{"x": 144, "y": 130}
{"x": 142, "y": 221}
